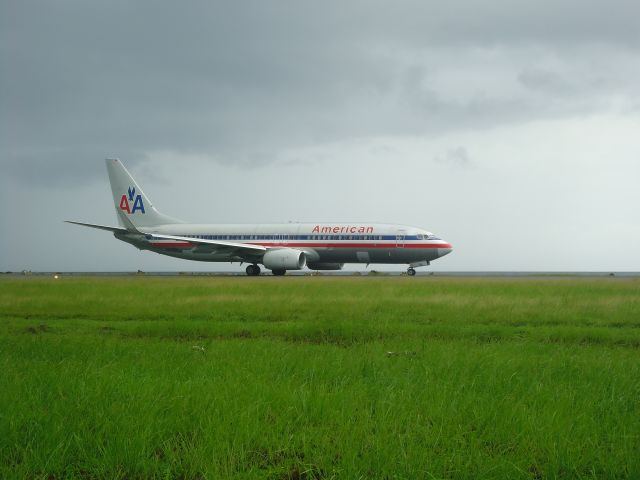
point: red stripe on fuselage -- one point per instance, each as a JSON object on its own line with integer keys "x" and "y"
{"x": 172, "y": 245}
{"x": 356, "y": 245}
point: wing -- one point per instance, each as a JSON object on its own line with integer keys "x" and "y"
{"x": 213, "y": 245}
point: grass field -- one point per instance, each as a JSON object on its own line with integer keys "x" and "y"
{"x": 315, "y": 377}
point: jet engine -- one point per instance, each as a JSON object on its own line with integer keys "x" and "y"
{"x": 324, "y": 266}
{"x": 284, "y": 259}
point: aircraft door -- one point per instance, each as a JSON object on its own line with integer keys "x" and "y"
{"x": 400, "y": 238}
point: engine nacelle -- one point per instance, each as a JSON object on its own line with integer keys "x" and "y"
{"x": 284, "y": 259}
{"x": 324, "y": 266}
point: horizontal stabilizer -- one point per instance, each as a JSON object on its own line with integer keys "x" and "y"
{"x": 100, "y": 227}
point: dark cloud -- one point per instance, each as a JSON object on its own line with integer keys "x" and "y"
{"x": 544, "y": 80}
{"x": 239, "y": 81}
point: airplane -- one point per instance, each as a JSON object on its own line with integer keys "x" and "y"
{"x": 277, "y": 247}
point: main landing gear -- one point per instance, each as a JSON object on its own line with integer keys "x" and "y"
{"x": 253, "y": 270}
{"x": 411, "y": 271}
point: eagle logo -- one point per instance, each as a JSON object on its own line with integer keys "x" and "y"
{"x": 132, "y": 203}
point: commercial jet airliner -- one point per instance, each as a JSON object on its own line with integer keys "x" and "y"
{"x": 278, "y": 247}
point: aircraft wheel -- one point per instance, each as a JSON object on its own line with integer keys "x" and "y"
{"x": 411, "y": 272}
{"x": 253, "y": 270}
{"x": 278, "y": 272}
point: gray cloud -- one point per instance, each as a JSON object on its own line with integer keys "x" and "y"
{"x": 239, "y": 82}
{"x": 457, "y": 157}
{"x": 544, "y": 80}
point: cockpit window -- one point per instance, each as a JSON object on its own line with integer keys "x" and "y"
{"x": 433, "y": 237}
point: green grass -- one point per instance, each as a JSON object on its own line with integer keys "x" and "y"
{"x": 315, "y": 377}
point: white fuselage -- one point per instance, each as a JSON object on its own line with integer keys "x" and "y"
{"x": 321, "y": 242}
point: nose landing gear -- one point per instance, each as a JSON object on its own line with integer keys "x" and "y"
{"x": 253, "y": 270}
{"x": 411, "y": 271}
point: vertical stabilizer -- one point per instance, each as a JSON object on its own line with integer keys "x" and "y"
{"x": 133, "y": 207}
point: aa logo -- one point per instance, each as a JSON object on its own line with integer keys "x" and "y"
{"x": 125, "y": 202}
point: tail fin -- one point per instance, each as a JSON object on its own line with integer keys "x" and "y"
{"x": 133, "y": 207}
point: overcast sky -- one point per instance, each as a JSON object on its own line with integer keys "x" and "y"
{"x": 511, "y": 129}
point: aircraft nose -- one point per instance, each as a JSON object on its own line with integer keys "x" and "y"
{"x": 445, "y": 249}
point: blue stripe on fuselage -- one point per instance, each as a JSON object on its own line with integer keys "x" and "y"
{"x": 272, "y": 237}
